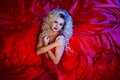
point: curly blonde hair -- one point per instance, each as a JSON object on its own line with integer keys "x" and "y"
{"x": 51, "y": 16}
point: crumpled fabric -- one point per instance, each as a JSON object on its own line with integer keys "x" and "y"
{"x": 94, "y": 52}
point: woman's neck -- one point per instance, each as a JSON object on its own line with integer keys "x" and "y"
{"x": 54, "y": 34}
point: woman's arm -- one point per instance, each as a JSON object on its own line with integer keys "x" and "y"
{"x": 42, "y": 45}
{"x": 58, "y": 52}
{"x": 41, "y": 42}
{"x": 43, "y": 49}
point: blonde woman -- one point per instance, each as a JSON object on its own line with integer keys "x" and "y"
{"x": 55, "y": 35}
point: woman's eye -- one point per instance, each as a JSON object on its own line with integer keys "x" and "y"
{"x": 55, "y": 21}
{"x": 61, "y": 24}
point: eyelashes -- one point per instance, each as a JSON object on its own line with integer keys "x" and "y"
{"x": 57, "y": 22}
{"x": 61, "y": 24}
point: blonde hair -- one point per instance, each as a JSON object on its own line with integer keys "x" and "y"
{"x": 51, "y": 16}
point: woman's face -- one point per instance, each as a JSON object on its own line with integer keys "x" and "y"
{"x": 58, "y": 24}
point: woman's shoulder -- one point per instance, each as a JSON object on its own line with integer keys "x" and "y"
{"x": 60, "y": 37}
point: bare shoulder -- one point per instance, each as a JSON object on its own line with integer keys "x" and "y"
{"x": 61, "y": 37}
{"x": 40, "y": 36}
{"x": 40, "y": 41}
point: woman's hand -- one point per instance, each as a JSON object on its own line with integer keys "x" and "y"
{"x": 46, "y": 40}
{"x": 60, "y": 41}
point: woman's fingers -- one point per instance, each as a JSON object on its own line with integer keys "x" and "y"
{"x": 46, "y": 40}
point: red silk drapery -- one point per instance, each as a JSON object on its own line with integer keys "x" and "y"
{"x": 95, "y": 46}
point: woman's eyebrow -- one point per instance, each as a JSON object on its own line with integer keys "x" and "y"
{"x": 61, "y": 23}
{"x": 56, "y": 21}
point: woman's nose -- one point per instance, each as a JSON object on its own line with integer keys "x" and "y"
{"x": 56, "y": 24}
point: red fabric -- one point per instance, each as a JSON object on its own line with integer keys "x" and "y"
{"x": 95, "y": 43}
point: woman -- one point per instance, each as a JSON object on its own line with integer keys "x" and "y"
{"x": 56, "y": 32}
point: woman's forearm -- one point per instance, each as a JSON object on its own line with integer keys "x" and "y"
{"x": 52, "y": 57}
{"x": 41, "y": 50}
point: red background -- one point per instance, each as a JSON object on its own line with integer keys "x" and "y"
{"x": 95, "y": 42}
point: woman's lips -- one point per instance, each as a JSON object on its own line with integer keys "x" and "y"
{"x": 55, "y": 28}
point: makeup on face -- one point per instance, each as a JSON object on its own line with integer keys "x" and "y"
{"x": 57, "y": 24}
